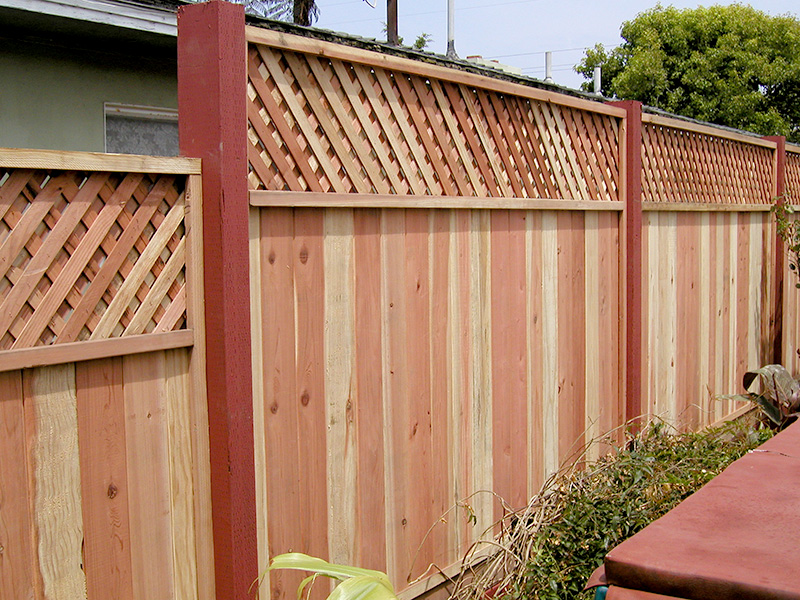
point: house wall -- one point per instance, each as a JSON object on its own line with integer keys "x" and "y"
{"x": 52, "y": 97}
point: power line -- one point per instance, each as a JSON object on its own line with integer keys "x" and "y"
{"x": 546, "y": 51}
{"x": 438, "y": 12}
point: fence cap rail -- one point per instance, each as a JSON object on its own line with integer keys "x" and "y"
{"x": 710, "y": 130}
{"x": 324, "y": 49}
{"x": 94, "y": 161}
{"x": 793, "y": 148}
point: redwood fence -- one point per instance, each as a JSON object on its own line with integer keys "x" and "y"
{"x": 455, "y": 282}
{"x": 104, "y": 489}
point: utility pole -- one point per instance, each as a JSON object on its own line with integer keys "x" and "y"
{"x": 391, "y": 22}
{"x": 451, "y": 29}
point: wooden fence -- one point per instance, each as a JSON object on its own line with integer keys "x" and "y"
{"x": 457, "y": 280}
{"x": 435, "y": 275}
{"x": 104, "y": 489}
{"x": 709, "y": 277}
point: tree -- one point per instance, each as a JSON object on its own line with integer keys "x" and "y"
{"x": 731, "y": 65}
{"x": 300, "y": 12}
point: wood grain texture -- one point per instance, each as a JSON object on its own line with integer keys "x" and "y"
{"x": 17, "y": 578}
{"x": 52, "y": 424}
{"x": 182, "y": 485}
{"x": 148, "y": 468}
{"x": 104, "y": 481}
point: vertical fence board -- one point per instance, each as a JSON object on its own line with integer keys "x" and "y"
{"x": 571, "y": 335}
{"x": 535, "y": 345}
{"x": 282, "y": 472}
{"x": 417, "y": 428}
{"x": 104, "y": 481}
{"x": 53, "y": 446}
{"x": 181, "y": 481}
{"x": 509, "y": 357}
{"x": 442, "y": 435}
{"x": 371, "y": 548}
{"x": 340, "y": 401}
{"x": 395, "y": 375}
{"x": 310, "y": 398}
{"x": 17, "y": 578}
{"x": 146, "y": 434}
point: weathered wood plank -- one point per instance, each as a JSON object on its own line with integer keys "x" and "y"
{"x": 52, "y": 430}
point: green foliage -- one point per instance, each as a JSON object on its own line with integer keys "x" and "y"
{"x": 731, "y": 65}
{"x": 590, "y": 511}
{"x": 779, "y": 395}
{"x": 356, "y": 583}
{"x": 789, "y": 231}
{"x": 423, "y": 41}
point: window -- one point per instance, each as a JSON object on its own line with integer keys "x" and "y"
{"x": 141, "y": 130}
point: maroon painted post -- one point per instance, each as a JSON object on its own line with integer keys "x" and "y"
{"x": 776, "y": 316}
{"x": 633, "y": 258}
{"x": 213, "y": 126}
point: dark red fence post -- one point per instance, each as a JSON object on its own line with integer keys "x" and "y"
{"x": 776, "y": 314}
{"x": 633, "y": 258}
{"x": 212, "y": 88}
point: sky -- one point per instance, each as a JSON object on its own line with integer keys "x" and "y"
{"x": 514, "y": 32}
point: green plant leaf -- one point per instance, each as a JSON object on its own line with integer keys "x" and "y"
{"x": 363, "y": 587}
{"x": 302, "y": 562}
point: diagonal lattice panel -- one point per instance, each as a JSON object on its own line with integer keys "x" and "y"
{"x": 793, "y": 177}
{"x": 679, "y": 165}
{"x": 89, "y": 256}
{"x": 322, "y": 124}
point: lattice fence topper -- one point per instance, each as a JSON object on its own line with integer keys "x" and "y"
{"x": 793, "y": 177}
{"x": 326, "y": 125}
{"x": 89, "y": 256}
{"x": 687, "y": 166}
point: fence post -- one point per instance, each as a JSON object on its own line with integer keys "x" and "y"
{"x": 633, "y": 257}
{"x": 776, "y": 313}
{"x": 213, "y": 126}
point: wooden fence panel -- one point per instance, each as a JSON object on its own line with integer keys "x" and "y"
{"x": 104, "y": 490}
{"x": 104, "y": 510}
{"x": 708, "y": 282}
{"x": 708, "y": 266}
{"x": 410, "y": 358}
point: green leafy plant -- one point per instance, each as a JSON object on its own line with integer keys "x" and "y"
{"x": 789, "y": 231}
{"x": 564, "y": 533}
{"x": 356, "y": 583}
{"x": 779, "y": 397}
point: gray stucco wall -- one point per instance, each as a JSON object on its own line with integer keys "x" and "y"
{"x": 52, "y": 97}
